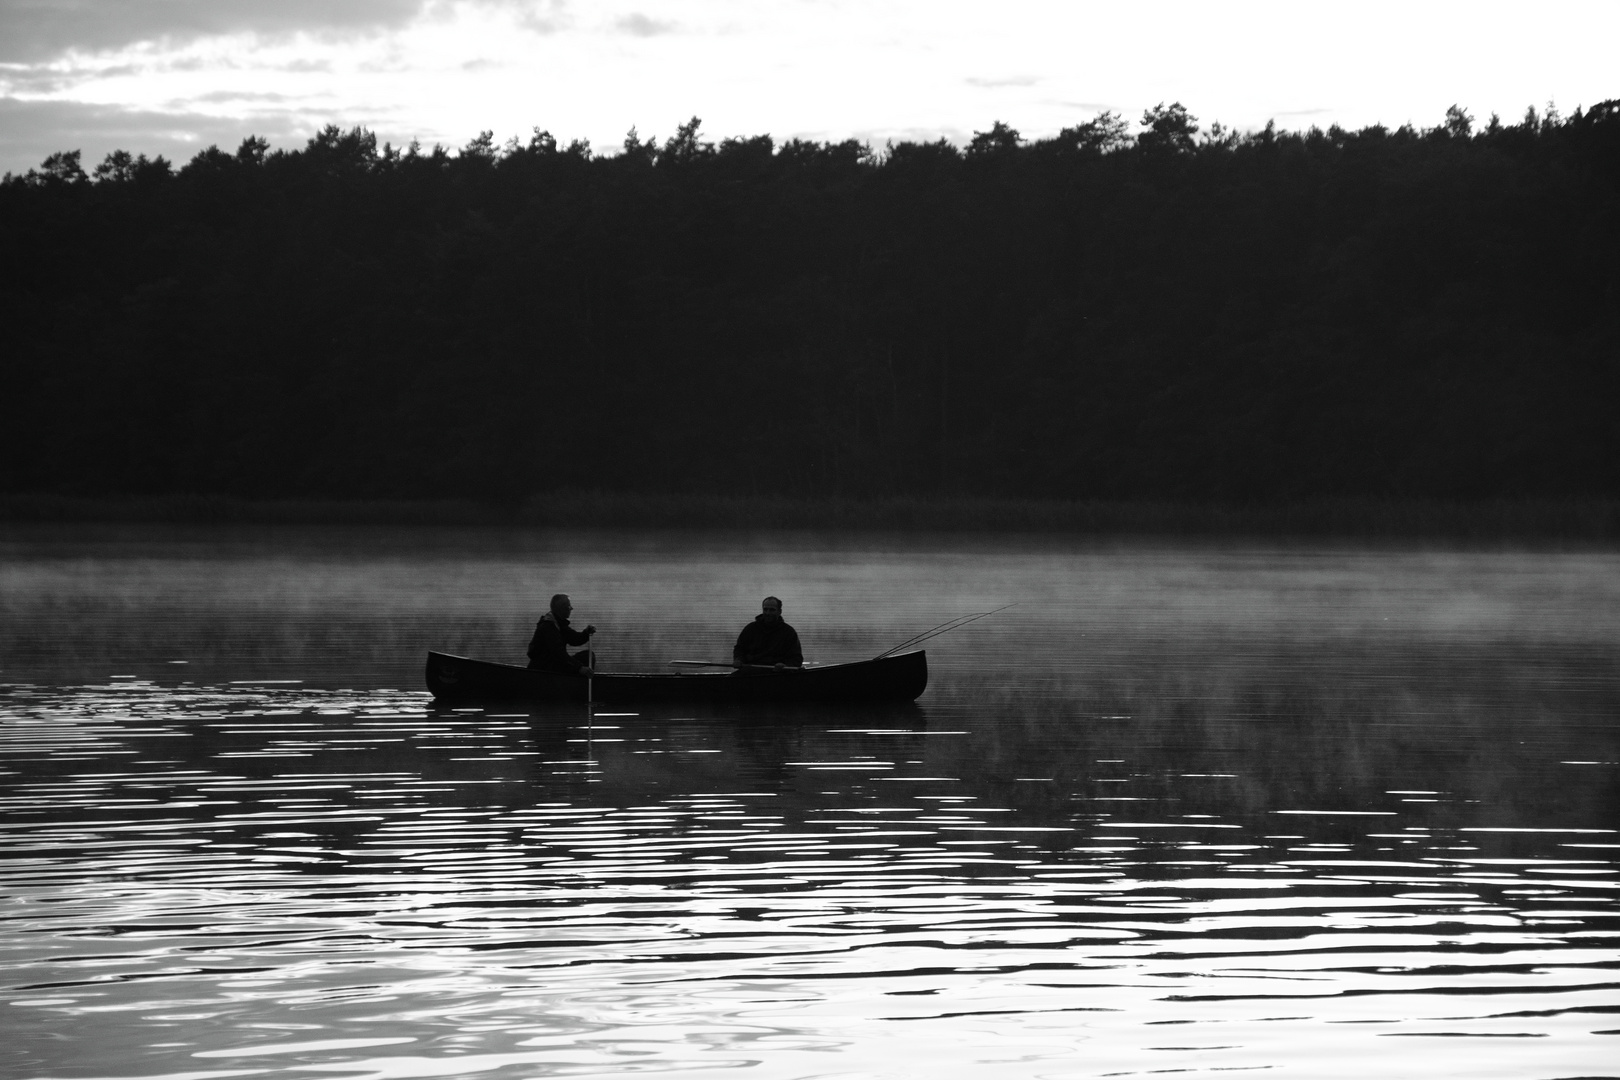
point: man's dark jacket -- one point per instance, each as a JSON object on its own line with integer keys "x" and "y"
{"x": 548, "y": 649}
{"x": 769, "y": 641}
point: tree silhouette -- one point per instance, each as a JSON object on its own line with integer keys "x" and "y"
{"x": 1169, "y": 128}
{"x": 1000, "y": 139}
{"x": 1242, "y": 316}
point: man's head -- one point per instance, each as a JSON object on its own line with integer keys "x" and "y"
{"x": 772, "y": 607}
{"x": 561, "y": 606}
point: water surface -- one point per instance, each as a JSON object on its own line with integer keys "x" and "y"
{"x": 1306, "y": 812}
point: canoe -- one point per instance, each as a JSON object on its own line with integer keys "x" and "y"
{"x": 901, "y": 677}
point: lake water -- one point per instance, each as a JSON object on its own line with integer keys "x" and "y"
{"x": 1293, "y": 811}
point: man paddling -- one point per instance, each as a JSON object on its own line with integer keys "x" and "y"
{"x": 768, "y": 641}
{"x": 548, "y": 649}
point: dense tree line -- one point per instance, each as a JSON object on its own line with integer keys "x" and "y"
{"x": 1172, "y": 314}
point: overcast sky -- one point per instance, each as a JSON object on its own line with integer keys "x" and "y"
{"x": 172, "y": 76}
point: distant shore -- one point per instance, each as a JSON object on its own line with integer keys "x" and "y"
{"x": 1585, "y": 522}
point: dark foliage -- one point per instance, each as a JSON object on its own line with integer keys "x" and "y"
{"x": 1189, "y": 314}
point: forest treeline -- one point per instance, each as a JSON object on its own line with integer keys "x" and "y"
{"x": 1177, "y": 313}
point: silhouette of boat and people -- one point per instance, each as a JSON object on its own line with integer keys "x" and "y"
{"x": 767, "y": 649}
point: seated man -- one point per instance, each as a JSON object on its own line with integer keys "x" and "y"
{"x": 768, "y": 641}
{"x": 548, "y": 649}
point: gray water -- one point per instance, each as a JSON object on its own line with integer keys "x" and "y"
{"x": 1298, "y": 811}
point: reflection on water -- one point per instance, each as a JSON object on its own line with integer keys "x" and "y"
{"x": 1180, "y": 811}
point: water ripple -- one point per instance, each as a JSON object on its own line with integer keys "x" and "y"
{"x": 1169, "y": 868}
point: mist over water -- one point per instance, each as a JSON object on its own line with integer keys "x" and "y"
{"x": 1305, "y": 811}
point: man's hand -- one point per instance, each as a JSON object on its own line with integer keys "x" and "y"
{"x": 589, "y": 630}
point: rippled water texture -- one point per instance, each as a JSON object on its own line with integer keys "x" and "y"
{"x": 1297, "y": 812}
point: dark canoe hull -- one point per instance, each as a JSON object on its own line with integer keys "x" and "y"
{"x": 893, "y": 678}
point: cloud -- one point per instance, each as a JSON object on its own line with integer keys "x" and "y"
{"x": 307, "y": 67}
{"x": 640, "y": 25}
{"x": 32, "y": 30}
{"x": 221, "y": 97}
{"x": 38, "y": 79}
{"x": 541, "y": 16}
{"x": 1010, "y": 80}
{"x": 32, "y": 130}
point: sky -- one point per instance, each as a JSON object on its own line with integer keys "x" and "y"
{"x": 172, "y": 77}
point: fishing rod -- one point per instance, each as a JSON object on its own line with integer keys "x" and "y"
{"x": 733, "y": 664}
{"x": 943, "y": 628}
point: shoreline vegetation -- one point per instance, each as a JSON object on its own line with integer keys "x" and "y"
{"x": 1590, "y": 522}
{"x": 1183, "y": 330}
